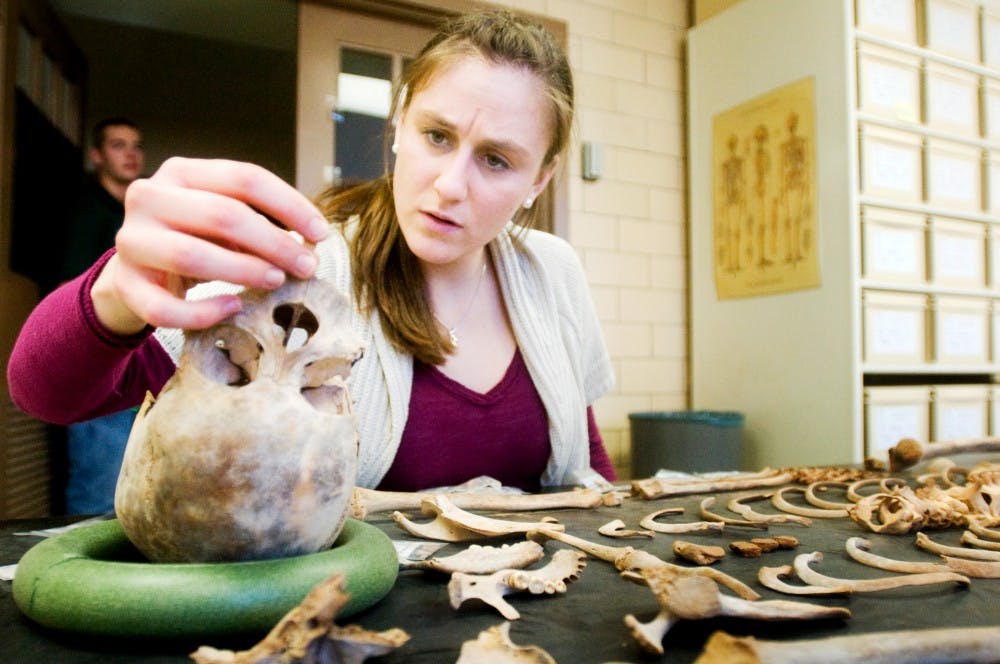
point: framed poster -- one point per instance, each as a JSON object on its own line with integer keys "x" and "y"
{"x": 764, "y": 194}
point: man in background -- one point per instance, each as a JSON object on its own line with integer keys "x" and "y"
{"x": 95, "y": 448}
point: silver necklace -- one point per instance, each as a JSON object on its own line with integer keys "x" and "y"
{"x": 461, "y": 319}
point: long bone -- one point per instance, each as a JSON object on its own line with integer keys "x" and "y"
{"x": 694, "y": 598}
{"x": 857, "y": 548}
{"x": 649, "y": 521}
{"x": 627, "y": 559}
{"x": 655, "y": 487}
{"x": 909, "y": 451}
{"x": 452, "y": 524}
{"x": 811, "y": 576}
{"x": 708, "y": 515}
{"x": 616, "y": 528}
{"x": 370, "y": 501}
{"x": 736, "y": 506}
{"x": 482, "y": 559}
{"x": 774, "y": 578}
{"x": 972, "y": 645}
{"x": 927, "y": 544}
{"x": 780, "y": 502}
{"x": 491, "y": 589}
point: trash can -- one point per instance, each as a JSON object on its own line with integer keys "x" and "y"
{"x": 691, "y": 441}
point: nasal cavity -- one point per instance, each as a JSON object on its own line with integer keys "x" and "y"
{"x": 298, "y": 322}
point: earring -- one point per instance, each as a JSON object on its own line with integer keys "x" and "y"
{"x": 528, "y": 202}
{"x": 395, "y": 148}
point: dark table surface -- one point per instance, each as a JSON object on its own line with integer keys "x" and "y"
{"x": 586, "y": 623}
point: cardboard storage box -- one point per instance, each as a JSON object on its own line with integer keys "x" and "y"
{"x": 893, "y": 245}
{"x": 958, "y": 253}
{"x": 891, "y": 164}
{"x": 961, "y": 330}
{"x": 954, "y": 175}
{"x": 888, "y": 83}
{"x": 892, "y": 413}
{"x": 959, "y": 411}
{"x": 895, "y": 327}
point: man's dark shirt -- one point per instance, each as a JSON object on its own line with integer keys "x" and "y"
{"x": 93, "y": 222}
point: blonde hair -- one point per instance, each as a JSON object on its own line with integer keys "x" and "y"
{"x": 386, "y": 274}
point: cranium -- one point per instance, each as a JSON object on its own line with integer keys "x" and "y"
{"x": 250, "y": 450}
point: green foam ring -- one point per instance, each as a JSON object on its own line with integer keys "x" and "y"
{"x": 90, "y": 580}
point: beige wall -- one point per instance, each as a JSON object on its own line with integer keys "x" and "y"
{"x": 629, "y": 226}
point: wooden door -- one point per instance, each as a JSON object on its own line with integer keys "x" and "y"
{"x": 41, "y": 85}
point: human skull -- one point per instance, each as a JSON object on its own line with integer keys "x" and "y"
{"x": 250, "y": 449}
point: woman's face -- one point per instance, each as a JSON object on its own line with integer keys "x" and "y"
{"x": 470, "y": 151}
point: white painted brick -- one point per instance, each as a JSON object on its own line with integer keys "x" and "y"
{"x": 620, "y": 198}
{"x": 653, "y": 376}
{"x": 674, "y": 400}
{"x": 612, "y": 410}
{"x": 643, "y": 236}
{"x": 640, "y": 33}
{"x": 616, "y": 269}
{"x": 646, "y": 168}
{"x": 629, "y": 339}
{"x": 593, "y": 231}
{"x": 670, "y": 340}
{"x": 583, "y": 19}
{"x": 612, "y": 128}
{"x": 669, "y": 272}
{"x": 668, "y": 205}
{"x": 594, "y": 90}
{"x": 637, "y": 7}
{"x": 647, "y": 101}
{"x": 611, "y": 60}
{"x": 651, "y": 305}
{"x": 665, "y": 138}
{"x": 664, "y": 72}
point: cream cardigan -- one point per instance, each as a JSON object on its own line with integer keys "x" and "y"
{"x": 555, "y": 325}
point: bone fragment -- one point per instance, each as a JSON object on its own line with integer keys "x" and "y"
{"x": 308, "y": 635}
{"x": 617, "y": 528}
{"x": 745, "y": 549}
{"x": 370, "y": 501}
{"x": 813, "y": 499}
{"x": 736, "y": 505}
{"x": 909, "y": 452}
{"x": 927, "y": 544}
{"x": 483, "y": 559}
{"x": 766, "y": 544}
{"x": 781, "y": 503}
{"x": 971, "y": 645}
{"x": 976, "y": 528}
{"x": 698, "y": 554}
{"x": 971, "y": 539}
{"x": 654, "y": 487}
{"x": 452, "y": 524}
{"x": 774, "y": 578}
{"x": 885, "y": 484}
{"x": 694, "y": 598}
{"x": 649, "y": 521}
{"x": 491, "y": 589}
{"x": 708, "y": 515}
{"x": 494, "y": 646}
{"x": 625, "y": 558}
{"x": 811, "y": 576}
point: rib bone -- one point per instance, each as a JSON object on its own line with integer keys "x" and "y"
{"x": 649, "y": 521}
{"x": 822, "y": 503}
{"x": 971, "y": 539}
{"x": 712, "y": 516}
{"x": 781, "y": 503}
{"x": 686, "y": 597}
{"x": 625, "y": 559}
{"x": 811, "y": 576}
{"x": 927, "y": 544}
{"x": 774, "y": 578}
{"x": 736, "y": 505}
{"x": 565, "y": 566}
{"x": 483, "y": 559}
{"x": 973, "y": 645}
{"x": 617, "y": 528}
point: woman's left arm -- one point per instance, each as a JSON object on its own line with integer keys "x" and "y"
{"x": 599, "y": 459}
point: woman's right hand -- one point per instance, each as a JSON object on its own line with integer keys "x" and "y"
{"x": 199, "y": 220}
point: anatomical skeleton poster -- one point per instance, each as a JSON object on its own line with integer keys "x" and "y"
{"x": 764, "y": 194}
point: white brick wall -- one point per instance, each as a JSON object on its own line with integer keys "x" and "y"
{"x": 630, "y": 225}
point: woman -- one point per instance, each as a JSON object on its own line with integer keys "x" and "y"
{"x": 483, "y": 351}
